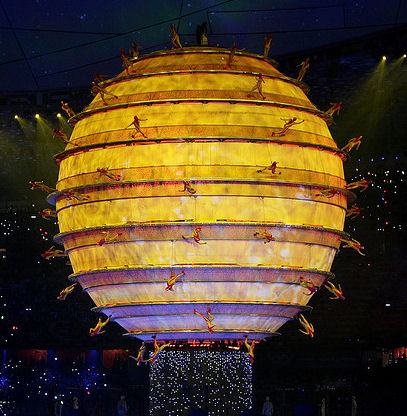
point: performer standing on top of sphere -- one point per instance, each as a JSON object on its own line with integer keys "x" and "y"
{"x": 175, "y": 37}
{"x": 135, "y": 50}
{"x": 202, "y": 34}
{"x": 232, "y": 54}
{"x": 268, "y": 40}
{"x": 125, "y": 61}
{"x": 67, "y": 109}
{"x": 304, "y": 66}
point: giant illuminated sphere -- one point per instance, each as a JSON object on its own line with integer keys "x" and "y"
{"x": 203, "y": 125}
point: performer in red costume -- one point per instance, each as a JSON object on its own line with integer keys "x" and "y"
{"x": 70, "y": 195}
{"x": 363, "y": 183}
{"x": 250, "y": 348}
{"x": 309, "y": 328}
{"x": 265, "y": 235}
{"x": 52, "y": 252}
{"x": 304, "y": 66}
{"x": 140, "y": 356}
{"x": 268, "y": 40}
{"x": 195, "y": 235}
{"x": 258, "y": 87}
{"x": 353, "y": 244}
{"x": 136, "y": 124}
{"x": 125, "y": 61}
{"x": 48, "y": 213}
{"x": 207, "y": 320}
{"x": 188, "y": 187}
{"x": 289, "y": 122}
{"x": 353, "y": 211}
{"x": 336, "y": 291}
{"x": 271, "y": 168}
{"x": 334, "y": 108}
{"x": 106, "y": 172}
{"x": 108, "y": 238}
{"x": 63, "y": 136}
{"x": 67, "y": 291}
{"x": 135, "y": 50}
{"x": 172, "y": 279}
{"x": 355, "y": 142}
{"x": 157, "y": 349}
{"x": 40, "y": 185}
{"x": 97, "y": 330}
{"x": 175, "y": 37}
{"x": 68, "y": 110}
{"x": 328, "y": 193}
{"x": 232, "y": 54}
{"x": 97, "y": 89}
{"x": 308, "y": 284}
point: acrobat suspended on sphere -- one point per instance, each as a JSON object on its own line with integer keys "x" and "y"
{"x": 199, "y": 124}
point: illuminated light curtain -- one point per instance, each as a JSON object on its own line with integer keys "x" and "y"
{"x": 203, "y": 125}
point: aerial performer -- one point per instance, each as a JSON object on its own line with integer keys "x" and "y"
{"x": 188, "y": 187}
{"x": 67, "y": 291}
{"x": 232, "y": 54}
{"x": 258, "y": 87}
{"x": 52, "y": 252}
{"x": 48, "y": 213}
{"x": 250, "y": 348}
{"x": 40, "y": 185}
{"x": 271, "y": 168}
{"x": 70, "y": 195}
{"x": 355, "y": 142}
{"x": 328, "y": 193}
{"x": 157, "y": 349}
{"x": 68, "y": 110}
{"x": 289, "y": 122}
{"x": 334, "y": 108}
{"x": 336, "y": 291}
{"x": 352, "y": 243}
{"x": 125, "y": 61}
{"x": 63, "y": 136}
{"x": 97, "y": 89}
{"x": 110, "y": 175}
{"x": 135, "y": 50}
{"x": 362, "y": 183}
{"x": 304, "y": 66}
{"x": 268, "y": 40}
{"x": 207, "y": 320}
{"x": 100, "y": 77}
{"x": 175, "y": 37}
{"x": 172, "y": 279}
{"x": 136, "y": 124}
{"x": 195, "y": 235}
{"x": 140, "y": 356}
{"x": 308, "y": 284}
{"x": 107, "y": 238}
{"x": 308, "y": 327}
{"x": 202, "y": 34}
{"x": 353, "y": 211}
{"x": 97, "y": 330}
{"x": 265, "y": 235}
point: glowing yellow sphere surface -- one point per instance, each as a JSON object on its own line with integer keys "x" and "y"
{"x": 128, "y": 205}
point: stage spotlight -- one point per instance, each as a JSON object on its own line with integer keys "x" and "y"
{"x": 59, "y": 115}
{"x": 16, "y": 116}
{"x": 384, "y": 58}
{"x": 404, "y": 56}
{"x": 37, "y": 116}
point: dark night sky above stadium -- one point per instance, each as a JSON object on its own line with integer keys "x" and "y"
{"x": 49, "y": 44}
